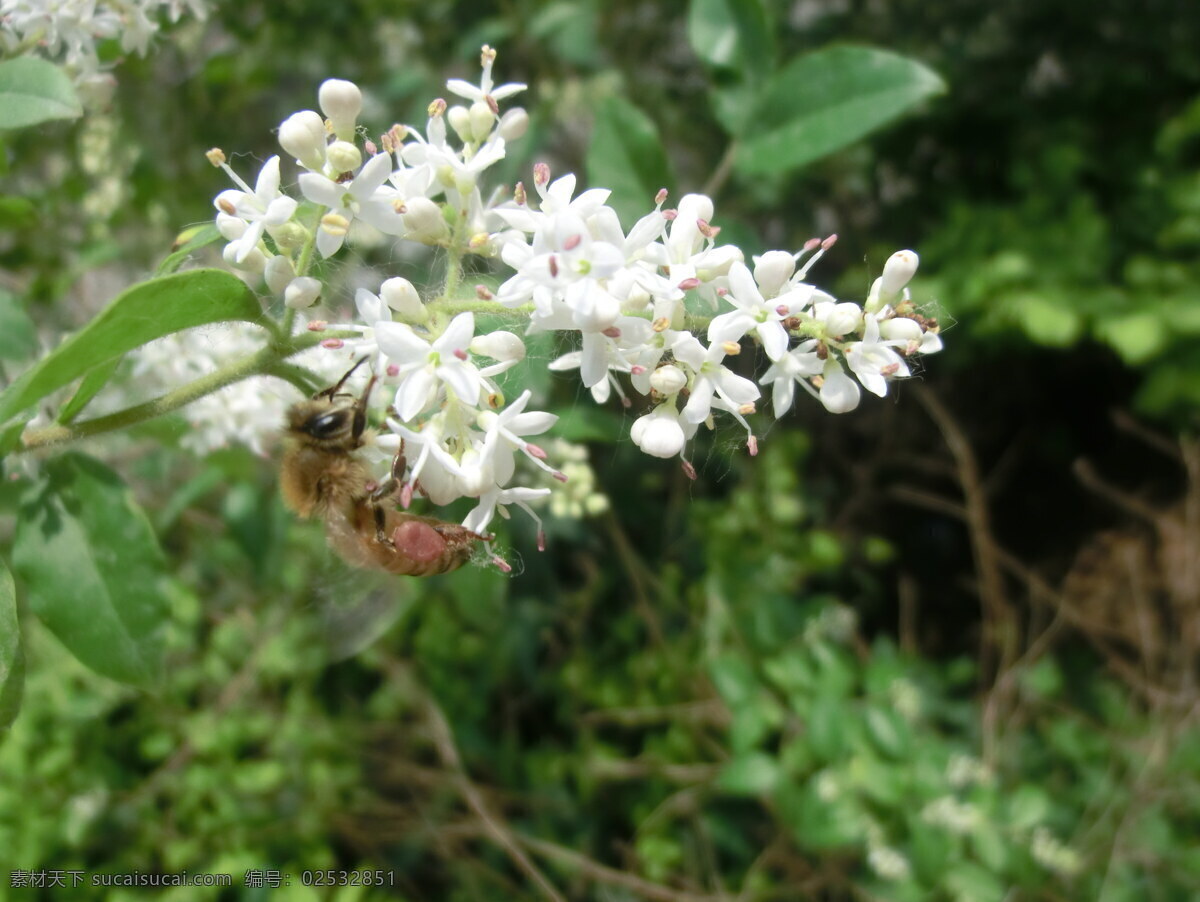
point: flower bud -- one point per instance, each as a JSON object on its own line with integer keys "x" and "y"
{"x": 423, "y": 219}
{"x": 302, "y": 135}
{"x": 290, "y": 235}
{"x": 500, "y": 345}
{"x": 253, "y": 262}
{"x": 302, "y": 292}
{"x": 668, "y": 380}
{"x": 772, "y": 270}
{"x": 341, "y": 102}
{"x": 231, "y": 227}
{"x": 513, "y": 124}
{"x": 460, "y": 121}
{"x": 482, "y": 120}
{"x": 279, "y": 273}
{"x": 897, "y": 272}
{"x": 901, "y": 328}
{"x": 658, "y": 433}
{"x": 841, "y": 319}
{"x": 839, "y": 393}
{"x": 343, "y": 156}
{"x": 399, "y": 294}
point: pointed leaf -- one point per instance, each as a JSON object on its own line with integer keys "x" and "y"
{"x": 12, "y": 657}
{"x": 93, "y": 569}
{"x": 32, "y": 91}
{"x": 627, "y": 156}
{"x": 732, "y": 34}
{"x": 143, "y": 313}
{"x": 187, "y": 243}
{"x": 822, "y": 101}
{"x": 96, "y": 379}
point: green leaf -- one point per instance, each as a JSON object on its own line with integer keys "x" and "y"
{"x": 18, "y": 338}
{"x": 95, "y": 380}
{"x": 187, "y": 243}
{"x": 17, "y": 212}
{"x": 12, "y": 657}
{"x": 32, "y": 91}
{"x": 825, "y": 100}
{"x": 755, "y": 773}
{"x": 93, "y": 569}
{"x": 141, "y": 314}
{"x": 732, "y": 34}
{"x": 626, "y": 154}
{"x": 1137, "y": 337}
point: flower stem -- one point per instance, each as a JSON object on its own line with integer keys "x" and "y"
{"x": 266, "y": 361}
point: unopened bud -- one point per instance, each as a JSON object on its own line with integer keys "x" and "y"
{"x": 898, "y": 272}
{"x": 460, "y": 121}
{"x": 343, "y": 156}
{"x": 668, "y": 380}
{"x": 500, "y": 345}
{"x": 279, "y": 273}
{"x": 424, "y": 221}
{"x": 400, "y": 294}
{"x": 302, "y": 292}
{"x": 772, "y": 270}
{"x": 513, "y": 124}
{"x": 481, "y": 117}
{"x": 302, "y": 135}
{"x": 341, "y": 102}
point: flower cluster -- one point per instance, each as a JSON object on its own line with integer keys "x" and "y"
{"x": 70, "y": 30}
{"x": 661, "y": 310}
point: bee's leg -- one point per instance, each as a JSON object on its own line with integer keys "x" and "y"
{"x": 360, "y": 407}
{"x": 389, "y": 486}
{"x": 381, "y": 535}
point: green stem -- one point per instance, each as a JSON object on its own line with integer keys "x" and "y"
{"x": 267, "y": 361}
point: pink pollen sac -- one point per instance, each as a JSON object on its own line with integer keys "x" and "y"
{"x": 501, "y": 564}
{"x": 541, "y": 173}
{"x": 541, "y": 540}
{"x": 519, "y": 194}
{"x": 226, "y": 207}
{"x": 660, "y": 197}
{"x": 393, "y": 370}
{"x": 553, "y": 264}
{"x": 492, "y": 105}
{"x": 625, "y": 402}
{"x": 637, "y": 369}
{"x": 535, "y": 451}
{"x": 612, "y": 332}
{"x": 829, "y": 242}
{"x": 889, "y": 370}
{"x": 752, "y": 445}
{"x": 573, "y": 242}
{"x": 460, "y": 353}
{"x": 370, "y": 147}
{"x": 559, "y": 475}
{"x": 670, "y": 215}
{"x": 317, "y": 325}
{"x": 333, "y": 344}
{"x": 406, "y": 494}
{"x": 688, "y": 470}
{"x": 812, "y": 244}
{"x": 782, "y": 310}
{"x": 722, "y": 291}
{"x": 689, "y": 283}
{"x": 482, "y": 292}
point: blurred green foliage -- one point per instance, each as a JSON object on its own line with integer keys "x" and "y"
{"x": 685, "y": 699}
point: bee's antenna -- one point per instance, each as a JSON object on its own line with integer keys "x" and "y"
{"x": 334, "y": 389}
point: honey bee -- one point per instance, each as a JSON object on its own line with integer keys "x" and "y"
{"x": 323, "y": 476}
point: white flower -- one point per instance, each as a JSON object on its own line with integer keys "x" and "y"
{"x": 839, "y": 393}
{"x": 486, "y": 91}
{"x": 797, "y": 365}
{"x": 874, "y": 361}
{"x": 753, "y": 312}
{"x": 358, "y": 199}
{"x": 261, "y": 208}
{"x": 423, "y": 366}
{"x": 496, "y": 499}
{"x": 509, "y": 428}
{"x": 710, "y": 378}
